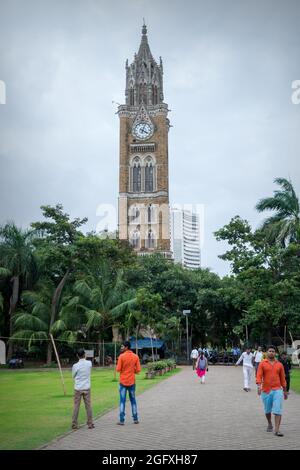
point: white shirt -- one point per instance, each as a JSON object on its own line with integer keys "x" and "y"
{"x": 258, "y": 356}
{"x": 194, "y": 354}
{"x": 81, "y": 372}
{"x": 247, "y": 359}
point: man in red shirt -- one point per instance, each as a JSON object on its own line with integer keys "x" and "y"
{"x": 271, "y": 386}
{"x": 128, "y": 365}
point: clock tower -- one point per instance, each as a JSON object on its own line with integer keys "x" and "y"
{"x": 143, "y": 212}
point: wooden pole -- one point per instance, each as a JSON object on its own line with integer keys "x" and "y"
{"x": 115, "y": 371}
{"x": 284, "y": 339}
{"x": 58, "y": 362}
{"x": 103, "y": 353}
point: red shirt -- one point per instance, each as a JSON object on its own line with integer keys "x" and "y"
{"x": 271, "y": 375}
{"x": 128, "y": 365}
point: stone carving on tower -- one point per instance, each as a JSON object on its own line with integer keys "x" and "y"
{"x": 143, "y": 213}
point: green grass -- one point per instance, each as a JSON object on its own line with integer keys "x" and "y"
{"x": 33, "y": 409}
{"x": 295, "y": 380}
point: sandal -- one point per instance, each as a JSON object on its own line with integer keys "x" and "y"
{"x": 270, "y": 429}
{"x": 279, "y": 434}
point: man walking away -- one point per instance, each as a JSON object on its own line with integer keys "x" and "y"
{"x": 194, "y": 357}
{"x": 81, "y": 373}
{"x": 128, "y": 365}
{"x": 247, "y": 358}
{"x": 286, "y": 362}
{"x": 258, "y": 357}
{"x": 235, "y": 354}
{"x": 271, "y": 386}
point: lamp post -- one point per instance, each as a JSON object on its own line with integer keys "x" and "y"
{"x": 186, "y": 313}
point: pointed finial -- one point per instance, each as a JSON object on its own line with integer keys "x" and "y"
{"x": 144, "y": 28}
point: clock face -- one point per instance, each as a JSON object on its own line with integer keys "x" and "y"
{"x": 143, "y": 130}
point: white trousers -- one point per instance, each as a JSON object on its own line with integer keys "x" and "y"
{"x": 247, "y": 371}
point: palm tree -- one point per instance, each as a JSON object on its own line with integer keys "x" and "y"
{"x": 18, "y": 264}
{"x": 100, "y": 302}
{"x": 284, "y": 226}
{"x": 33, "y": 323}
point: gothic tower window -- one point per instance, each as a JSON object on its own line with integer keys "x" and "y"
{"x": 134, "y": 215}
{"x": 150, "y": 241}
{"x": 149, "y": 214}
{"x": 154, "y": 94}
{"x": 131, "y": 96}
{"x": 143, "y": 93}
{"x": 135, "y": 239}
{"x": 136, "y": 175}
{"x": 149, "y": 175}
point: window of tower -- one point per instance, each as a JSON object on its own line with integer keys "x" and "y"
{"x": 136, "y": 176}
{"x": 134, "y": 215}
{"x": 135, "y": 239}
{"x": 143, "y": 93}
{"x": 149, "y": 175}
{"x": 131, "y": 97}
{"x": 150, "y": 241}
{"x": 154, "y": 94}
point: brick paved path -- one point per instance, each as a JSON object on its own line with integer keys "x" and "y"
{"x": 180, "y": 413}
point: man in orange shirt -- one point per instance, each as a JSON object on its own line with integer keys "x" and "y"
{"x": 128, "y": 365}
{"x": 271, "y": 386}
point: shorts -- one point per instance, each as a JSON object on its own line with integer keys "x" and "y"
{"x": 273, "y": 401}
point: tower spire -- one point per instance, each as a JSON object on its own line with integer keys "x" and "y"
{"x": 144, "y": 28}
{"x": 144, "y": 77}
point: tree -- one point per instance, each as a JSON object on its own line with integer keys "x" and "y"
{"x": 266, "y": 280}
{"x": 99, "y": 301}
{"x": 284, "y": 226}
{"x": 58, "y": 253}
{"x": 17, "y": 265}
{"x": 32, "y": 320}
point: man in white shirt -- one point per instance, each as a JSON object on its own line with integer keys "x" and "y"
{"x": 247, "y": 358}
{"x": 258, "y": 357}
{"x": 194, "y": 357}
{"x": 81, "y": 373}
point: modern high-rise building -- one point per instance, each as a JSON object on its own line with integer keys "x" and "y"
{"x": 143, "y": 212}
{"x": 185, "y": 238}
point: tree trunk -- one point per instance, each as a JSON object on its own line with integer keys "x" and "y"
{"x": 152, "y": 347}
{"x": 54, "y": 306}
{"x": 15, "y": 280}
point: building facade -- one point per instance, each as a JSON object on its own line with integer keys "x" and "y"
{"x": 143, "y": 206}
{"x": 185, "y": 238}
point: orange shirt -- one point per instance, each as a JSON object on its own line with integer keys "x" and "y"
{"x": 270, "y": 375}
{"x": 128, "y": 365}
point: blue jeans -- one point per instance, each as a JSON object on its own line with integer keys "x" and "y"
{"x": 123, "y": 392}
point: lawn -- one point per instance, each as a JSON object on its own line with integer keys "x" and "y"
{"x": 295, "y": 380}
{"x": 33, "y": 409}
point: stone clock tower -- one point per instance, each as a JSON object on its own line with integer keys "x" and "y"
{"x": 143, "y": 179}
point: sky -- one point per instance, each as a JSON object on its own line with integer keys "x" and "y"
{"x": 229, "y": 66}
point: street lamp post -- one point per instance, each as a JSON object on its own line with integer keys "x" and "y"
{"x": 186, "y": 313}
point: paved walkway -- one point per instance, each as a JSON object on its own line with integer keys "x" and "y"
{"x": 180, "y": 413}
